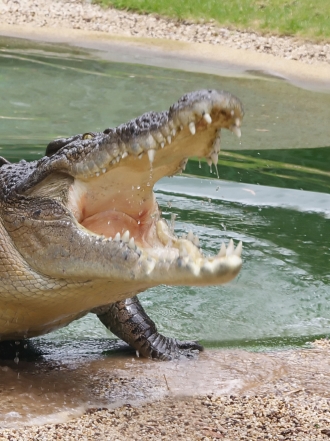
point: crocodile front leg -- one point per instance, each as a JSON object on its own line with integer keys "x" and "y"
{"x": 128, "y": 320}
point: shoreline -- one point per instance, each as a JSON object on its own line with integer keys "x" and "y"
{"x": 80, "y": 14}
{"x": 201, "y": 58}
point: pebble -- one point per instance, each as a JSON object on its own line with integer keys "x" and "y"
{"x": 81, "y": 14}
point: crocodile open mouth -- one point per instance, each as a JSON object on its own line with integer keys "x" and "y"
{"x": 113, "y": 195}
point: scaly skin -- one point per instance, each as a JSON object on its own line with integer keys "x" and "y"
{"x": 80, "y": 229}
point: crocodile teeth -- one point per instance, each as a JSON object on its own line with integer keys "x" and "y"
{"x": 183, "y": 164}
{"x": 236, "y": 130}
{"x": 151, "y": 155}
{"x": 169, "y": 139}
{"x": 230, "y": 248}
{"x": 222, "y": 252}
{"x": 239, "y": 248}
{"x": 150, "y": 265}
{"x": 207, "y": 118}
{"x": 215, "y": 158}
{"x": 131, "y": 243}
{"x": 124, "y": 155}
{"x": 192, "y": 128}
{"x": 125, "y": 237}
{"x": 162, "y": 144}
{"x": 117, "y": 237}
{"x": 196, "y": 241}
{"x": 217, "y": 142}
{"x": 173, "y": 132}
{"x": 190, "y": 236}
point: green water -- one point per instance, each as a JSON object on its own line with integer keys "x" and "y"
{"x": 274, "y": 196}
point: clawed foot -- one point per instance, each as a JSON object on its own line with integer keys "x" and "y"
{"x": 165, "y": 348}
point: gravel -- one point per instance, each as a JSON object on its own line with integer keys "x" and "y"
{"x": 293, "y": 405}
{"x": 77, "y": 14}
{"x": 270, "y": 417}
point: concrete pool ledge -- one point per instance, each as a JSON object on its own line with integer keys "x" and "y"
{"x": 192, "y": 57}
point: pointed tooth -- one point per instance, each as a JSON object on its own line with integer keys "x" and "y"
{"x": 104, "y": 170}
{"x": 151, "y": 263}
{"x": 217, "y": 144}
{"x": 236, "y": 130}
{"x": 137, "y": 353}
{"x": 230, "y": 248}
{"x": 97, "y": 174}
{"x": 131, "y": 243}
{"x": 190, "y": 236}
{"x": 124, "y": 155}
{"x": 140, "y": 155}
{"x": 169, "y": 139}
{"x": 117, "y": 237}
{"x": 151, "y": 155}
{"x": 196, "y": 241}
{"x": 238, "y": 250}
{"x": 183, "y": 252}
{"x": 162, "y": 144}
{"x": 215, "y": 158}
{"x": 125, "y": 237}
{"x": 173, "y": 132}
{"x": 207, "y": 118}
{"x": 222, "y": 252}
{"x": 192, "y": 128}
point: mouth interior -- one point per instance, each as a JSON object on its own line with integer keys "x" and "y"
{"x": 120, "y": 204}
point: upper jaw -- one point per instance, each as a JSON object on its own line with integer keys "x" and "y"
{"x": 162, "y": 139}
{"x": 113, "y": 184}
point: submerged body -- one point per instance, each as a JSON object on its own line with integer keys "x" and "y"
{"x": 81, "y": 231}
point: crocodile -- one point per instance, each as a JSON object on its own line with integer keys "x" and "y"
{"x": 81, "y": 230}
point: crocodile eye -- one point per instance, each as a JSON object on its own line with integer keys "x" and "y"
{"x": 88, "y": 135}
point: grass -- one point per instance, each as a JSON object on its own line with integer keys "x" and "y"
{"x": 303, "y": 18}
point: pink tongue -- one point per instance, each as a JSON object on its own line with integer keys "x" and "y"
{"x": 110, "y": 222}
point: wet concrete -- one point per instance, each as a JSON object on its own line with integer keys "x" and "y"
{"x": 39, "y": 392}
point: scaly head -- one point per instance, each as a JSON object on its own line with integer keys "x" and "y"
{"x": 102, "y": 220}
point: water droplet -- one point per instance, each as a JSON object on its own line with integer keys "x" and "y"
{"x": 138, "y": 222}
{"x": 138, "y": 187}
